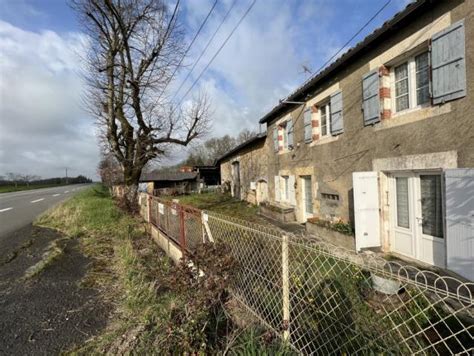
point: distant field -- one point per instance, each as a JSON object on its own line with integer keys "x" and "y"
{"x": 11, "y": 188}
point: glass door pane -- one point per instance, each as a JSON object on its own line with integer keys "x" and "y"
{"x": 403, "y": 207}
{"x": 431, "y": 205}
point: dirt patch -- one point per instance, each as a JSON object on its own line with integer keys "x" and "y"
{"x": 49, "y": 312}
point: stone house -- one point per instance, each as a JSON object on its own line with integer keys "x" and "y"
{"x": 383, "y": 139}
{"x": 244, "y": 170}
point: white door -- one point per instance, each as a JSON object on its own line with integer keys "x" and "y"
{"x": 417, "y": 217}
{"x": 307, "y": 196}
{"x": 262, "y": 191}
{"x": 366, "y": 209}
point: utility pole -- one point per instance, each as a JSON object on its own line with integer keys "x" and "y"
{"x": 66, "y": 176}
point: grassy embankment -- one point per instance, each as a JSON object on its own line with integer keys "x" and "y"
{"x": 133, "y": 275}
{"x": 12, "y": 188}
{"x": 222, "y": 203}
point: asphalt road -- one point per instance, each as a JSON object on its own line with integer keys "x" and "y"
{"x": 19, "y": 209}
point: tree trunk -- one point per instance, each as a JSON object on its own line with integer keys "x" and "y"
{"x": 129, "y": 200}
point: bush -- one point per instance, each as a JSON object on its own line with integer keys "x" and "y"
{"x": 339, "y": 226}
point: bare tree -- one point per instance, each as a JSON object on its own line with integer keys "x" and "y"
{"x": 245, "y": 135}
{"x": 135, "y": 47}
{"x": 109, "y": 170}
{"x": 14, "y": 178}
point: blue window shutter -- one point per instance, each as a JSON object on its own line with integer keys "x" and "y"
{"x": 289, "y": 130}
{"x": 448, "y": 63}
{"x": 337, "y": 125}
{"x": 308, "y": 130}
{"x": 370, "y": 97}
{"x": 275, "y": 138}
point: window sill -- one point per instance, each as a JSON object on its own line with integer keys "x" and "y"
{"x": 413, "y": 115}
{"x": 324, "y": 140}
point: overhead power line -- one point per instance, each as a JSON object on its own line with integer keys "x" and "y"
{"x": 189, "y": 47}
{"x": 219, "y": 50}
{"x": 346, "y": 44}
{"x": 355, "y": 35}
{"x": 205, "y": 48}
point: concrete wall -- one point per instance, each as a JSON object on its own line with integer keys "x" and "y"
{"x": 445, "y": 129}
{"x": 253, "y": 168}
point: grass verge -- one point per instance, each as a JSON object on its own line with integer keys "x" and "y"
{"x": 151, "y": 315}
{"x": 221, "y": 203}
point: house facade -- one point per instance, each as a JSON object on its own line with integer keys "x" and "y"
{"x": 384, "y": 139}
{"x": 244, "y": 170}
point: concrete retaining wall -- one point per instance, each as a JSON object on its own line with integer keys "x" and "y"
{"x": 331, "y": 236}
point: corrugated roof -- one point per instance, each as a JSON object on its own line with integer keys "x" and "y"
{"x": 305, "y": 89}
{"x": 167, "y": 176}
{"x": 242, "y": 146}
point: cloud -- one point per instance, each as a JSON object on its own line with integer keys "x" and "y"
{"x": 42, "y": 126}
{"x": 261, "y": 63}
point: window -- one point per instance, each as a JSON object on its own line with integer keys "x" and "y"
{"x": 275, "y": 138}
{"x": 403, "y": 208}
{"x": 412, "y": 82}
{"x": 431, "y": 205}
{"x": 422, "y": 79}
{"x": 286, "y": 186}
{"x": 324, "y": 113}
{"x": 402, "y": 100}
{"x": 287, "y": 128}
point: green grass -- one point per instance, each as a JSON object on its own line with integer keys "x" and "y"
{"x": 133, "y": 276}
{"x": 12, "y": 188}
{"x": 126, "y": 269}
{"x": 221, "y": 203}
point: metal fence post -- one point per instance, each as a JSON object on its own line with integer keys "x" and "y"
{"x": 181, "y": 228}
{"x": 286, "y": 287}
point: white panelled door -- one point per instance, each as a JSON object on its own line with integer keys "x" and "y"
{"x": 460, "y": 221}
{"x": 417, "y": 217}
{"x": 366, "y": 209}
{"x": 307, "y": 194}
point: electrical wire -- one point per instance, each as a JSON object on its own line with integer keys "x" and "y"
{"x": 205, "y": 48}
{"x": 218, "y": 51}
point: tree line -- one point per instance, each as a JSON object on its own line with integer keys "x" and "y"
{"x": 18, "y": 179}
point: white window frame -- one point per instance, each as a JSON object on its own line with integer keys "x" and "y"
{"x": 327, "y": 107}
{"x": 412, "y": 97}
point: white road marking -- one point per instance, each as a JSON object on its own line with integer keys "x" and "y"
{"x": 37, "y": 200}
{"x": 56, "y": 195}
{"x": 6, "y": 209}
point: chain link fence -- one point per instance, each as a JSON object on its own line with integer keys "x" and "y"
{"x": 323, "y": 299}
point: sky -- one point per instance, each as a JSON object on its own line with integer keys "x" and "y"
{"x": 45, "y": 129}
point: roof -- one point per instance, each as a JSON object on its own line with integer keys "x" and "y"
{"x": 167, "y": 176}
{"x": 255, "y": 139}
{"x": 387, "y": 29}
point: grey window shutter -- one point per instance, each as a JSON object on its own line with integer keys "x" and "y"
{"x": 370, "y": 97}
{"x": 448, "y": 63}
{"x": 337, "y": 125}
{"x": 275, "y": 138}
{"x": 307, "y": 126}
{"x": 289, "y": 130}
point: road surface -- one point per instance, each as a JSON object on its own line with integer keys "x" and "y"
{"x": 18, "y": 209}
